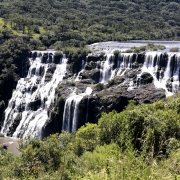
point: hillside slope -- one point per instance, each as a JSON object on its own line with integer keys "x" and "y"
{"x": 75, "y": 23}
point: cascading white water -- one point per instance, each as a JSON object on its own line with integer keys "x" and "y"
{"x": 173, "y": 75}
{"x": 125, "y": 61}
{"x": 149, "y": 64}
{"x": 71, "y": 110}
{"x": 87, "y": 110}
{"x": 83, "y": 63}
{"x": 33, "y": 89}
{"x": 161, "y": 75}
{"x": 106, "y": 68}
{"x": 176, "y": 74}
{"x": 151, "y": 67}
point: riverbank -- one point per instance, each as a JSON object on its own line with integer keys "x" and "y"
{"x": 11, "y": 144}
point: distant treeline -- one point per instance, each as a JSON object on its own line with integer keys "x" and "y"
{"x": 63, "y": 23}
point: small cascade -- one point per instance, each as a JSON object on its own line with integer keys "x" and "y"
{"x": 71, "y": 110}
{"x": 166, "y": 77}
{"x": 108, "y": 71}
{"x": 125, "y": 61}
{"x": 150, "y": 65}
{"x": 87, "y": 110}
{"x": 33, "y": 96}
{"x": 172, "y": 73}
{"x": 106, "y": 68}
{"x": 176, "y": 76}
{"x": 83, "y": 63}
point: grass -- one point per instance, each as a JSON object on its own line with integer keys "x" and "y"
{"x": 145, "y": 48}
{"x": 1, "y": 135}
{"x": 175, "y": 49}
{"x": 18, "y": 32}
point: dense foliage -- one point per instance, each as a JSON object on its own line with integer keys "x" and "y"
{"x": 139, "y": 143}
{"x": 142, "y": 142}
{"x": 76, "y": 23}
{"x": 69, "y": 25}
{"x": 150, "y": 46}
{"x": 13, "y": 53}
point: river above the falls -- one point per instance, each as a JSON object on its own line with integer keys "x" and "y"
{"x": 110, "y": 46}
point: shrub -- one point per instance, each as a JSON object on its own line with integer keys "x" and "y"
{"x": 99, "y": 87}
{"x": 116, "y": 52}
{"x": 175, "y": 49}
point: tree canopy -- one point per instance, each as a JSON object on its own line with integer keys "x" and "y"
{"x": 74, "y": 23}
{"x": 141, "y": 142}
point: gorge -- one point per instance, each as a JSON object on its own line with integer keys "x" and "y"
{"x": 59, "y": 94}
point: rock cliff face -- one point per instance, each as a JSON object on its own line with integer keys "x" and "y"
{"x": 61, "y": 93}
{"x": 124, "y": 81}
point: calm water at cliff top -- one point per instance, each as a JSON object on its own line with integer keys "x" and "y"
{"x": 112, "y": 45}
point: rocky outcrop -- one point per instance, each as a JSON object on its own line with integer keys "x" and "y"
{"x": 91, "y": 75}
{"x": 113, "y": 95}
{"x": 113, "y": 78}
{"x": 146, "y": 78}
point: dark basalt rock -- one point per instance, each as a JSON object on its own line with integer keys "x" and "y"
{"x": 114, "y": 95}
{"x": 57, "y": 57}
{"x": 48, "y": 77}
{"x": 34, "y": 88}
{"x": 163, "y": 60}
{"x": 54, "y": 123}
{"x": 5, "y": 147}
{"x": 95, "y": 57}
{"x": 87, "y": 81}
{"x": 140, "y": 58}
{"x": 14, "y": 125}
{"x": 115, "y": 98}
{"x": 93, "y": 74}
{"x": 35, "y": 104}
{"x": 91, "y": 65}
{"x": 50, "y": 71}
{"x": 146, "y": 78}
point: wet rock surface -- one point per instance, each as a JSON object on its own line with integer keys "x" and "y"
{"x": 112, "y": 95}
{"x": 113, "y": 78}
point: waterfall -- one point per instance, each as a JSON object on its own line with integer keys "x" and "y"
{"x": 71, "y": 110}
{"x": 87, "y": 110}
{"x": 167, "y": 79}
{"x": 176, "y": 74}
{"x": 33, "y": 96}
{"x": 125, "y": 61}
{"x": 83, "y": 63}
{"x": 150, "y": 65}
{"x": 106, "y": 68}
{"x": 26, "y": 113}
{"x": 163, "y": 67}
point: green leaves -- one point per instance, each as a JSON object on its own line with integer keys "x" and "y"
{"x": 90, "y": 21}
{"x": 141, "y": 142}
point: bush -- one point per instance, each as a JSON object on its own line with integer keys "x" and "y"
{"x": 116, "y": 52}
{"x": 1, "y": 135}
{"x": 99, "y": 87}
{"x": 175, "y": 49}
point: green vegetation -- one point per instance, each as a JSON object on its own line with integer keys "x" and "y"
{"x": 13, "y": 52}
{"x": 149, "y": 46}
{"x": 99, "y": 87}
{"x": 1, "y": 135}
{"x": 65, "y": 23}
{"x": 175, "y": 49}
{"x": 141, "y": 142}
